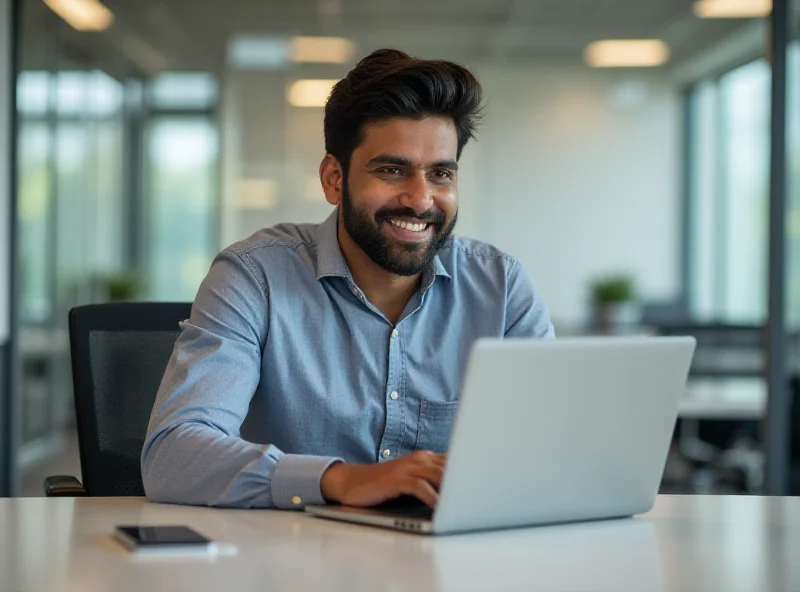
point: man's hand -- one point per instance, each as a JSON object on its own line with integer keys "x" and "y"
{"x": 418, "y": 474}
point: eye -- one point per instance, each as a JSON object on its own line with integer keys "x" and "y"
{"x": 390, "y": 170}
{"x": 443, "y": 174}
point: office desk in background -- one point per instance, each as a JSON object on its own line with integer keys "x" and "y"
{"x": 685, "y": 543}
{"x": 732, "y": 401}
{"x": 724, "y": 399}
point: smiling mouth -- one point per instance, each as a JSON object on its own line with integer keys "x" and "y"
{"x": 410, "y": 226}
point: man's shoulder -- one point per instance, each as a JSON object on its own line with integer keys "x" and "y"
{"x": 282, "y": 237}
{"x": 288, "y": 247}
{"x": 470, "y": 252}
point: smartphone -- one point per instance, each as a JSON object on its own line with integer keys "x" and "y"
{"x": 164, "y": 539}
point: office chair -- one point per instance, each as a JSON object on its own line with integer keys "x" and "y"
{"x": 658, "y": 313}
{"x": 119, "y": 353}
{"x": 723, "y": 452}
{"x": 723, "y": 350}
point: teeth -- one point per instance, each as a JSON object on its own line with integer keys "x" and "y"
{"x": 409, "y": 226}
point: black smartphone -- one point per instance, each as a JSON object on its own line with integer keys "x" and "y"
{"x": 154, "y": 539}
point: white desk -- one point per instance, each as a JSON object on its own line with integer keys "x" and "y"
{"x": 686, "y": 543}
{"x": 724, "y": 398}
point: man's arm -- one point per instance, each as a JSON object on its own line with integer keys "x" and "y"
{"x": 193, "y": 453}
{"x": 527, "y": 314}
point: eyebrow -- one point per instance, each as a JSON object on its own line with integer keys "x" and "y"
{"x": 401, "y": 161}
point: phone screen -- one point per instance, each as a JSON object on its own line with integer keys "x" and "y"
{"x": 157, "y": 536}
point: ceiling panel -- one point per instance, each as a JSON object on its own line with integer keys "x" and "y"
{"x": 193, "y": 34}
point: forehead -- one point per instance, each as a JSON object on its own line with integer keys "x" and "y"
{"x": 427, "y": 139}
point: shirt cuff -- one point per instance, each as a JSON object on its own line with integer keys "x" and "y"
{"x": 296, "y": 480}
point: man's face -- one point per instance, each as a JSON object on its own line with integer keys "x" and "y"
{"x": 400, "y": 197}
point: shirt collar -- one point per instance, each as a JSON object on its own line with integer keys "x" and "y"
{"x": 436, "y": 269}
{"x": 330, "y": 261}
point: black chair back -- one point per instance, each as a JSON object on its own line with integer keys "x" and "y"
{"x": 723, "y": 350}
{"x": 119, "y": 354}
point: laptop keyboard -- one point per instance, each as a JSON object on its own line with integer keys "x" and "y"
{"x": 405, "y": 507}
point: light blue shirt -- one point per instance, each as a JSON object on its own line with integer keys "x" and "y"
{"x": 285, "y": 367}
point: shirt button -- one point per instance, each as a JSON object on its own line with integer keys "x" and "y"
{"x": 395, "y": 333}
{"x": 394, "y": 395}
{"x": 297, "y": 500}
{"x": 354, "y": 290}
{"x": 387, "y": 453}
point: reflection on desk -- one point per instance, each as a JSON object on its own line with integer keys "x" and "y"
{"x": 685, "y": 543}
{"x": 608, "y": 555}
{"x": 724, "y": 398}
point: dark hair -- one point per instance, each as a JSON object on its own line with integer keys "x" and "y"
{"x": 390, "y": 83}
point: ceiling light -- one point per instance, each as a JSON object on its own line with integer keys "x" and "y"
{"x": 83, "y": 15}
{"x": 626, "y": 53}
{"x": 329, "y": 50}
{"x": 310, "y": 92}
{"x": 732, "y": 8}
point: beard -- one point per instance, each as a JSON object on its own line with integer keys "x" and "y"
{"x": 397, "y": 257}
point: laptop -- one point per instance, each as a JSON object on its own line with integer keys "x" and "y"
{"x": 548, "y": 432}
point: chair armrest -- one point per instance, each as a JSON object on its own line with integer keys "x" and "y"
{"x": 63, "y": 486}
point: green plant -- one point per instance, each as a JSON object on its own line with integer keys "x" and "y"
{"x": 122, "y": 286}
{"x": 613, "y": 289}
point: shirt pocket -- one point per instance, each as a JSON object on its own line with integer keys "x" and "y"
{"x": 435, "y": 424}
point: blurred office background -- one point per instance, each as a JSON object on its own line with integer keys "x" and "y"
{"x": 633, "y": 181}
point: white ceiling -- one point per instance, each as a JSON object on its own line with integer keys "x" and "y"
{"x": 151, "y": 35}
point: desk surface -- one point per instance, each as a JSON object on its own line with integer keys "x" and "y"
{"x": 686, "y": 543}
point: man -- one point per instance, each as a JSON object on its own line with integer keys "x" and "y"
{"x": 343, "y": 343}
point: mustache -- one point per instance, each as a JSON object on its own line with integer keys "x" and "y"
{"x": 433, "y": 216}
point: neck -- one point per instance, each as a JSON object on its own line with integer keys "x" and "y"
{"x": 387, "y": 291}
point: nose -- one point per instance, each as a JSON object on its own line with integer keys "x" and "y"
{"x": 417, "y": 193}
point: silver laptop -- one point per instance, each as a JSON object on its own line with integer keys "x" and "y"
{"x": 552, "y": 431}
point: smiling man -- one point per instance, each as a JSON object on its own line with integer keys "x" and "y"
{"x": 343, "y": 344}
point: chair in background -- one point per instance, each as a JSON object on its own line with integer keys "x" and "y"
{"x": 657, "y": 313}
{"x": 724, "y": 453}
{"x": 119, "y": 354}
{"x": 723, "y": 350}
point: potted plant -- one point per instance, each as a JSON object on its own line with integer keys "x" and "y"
{"x": 614, "y": 305}
{"x": 120, "y": 286}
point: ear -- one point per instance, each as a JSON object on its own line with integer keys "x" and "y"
{"x": 331, "y": 175}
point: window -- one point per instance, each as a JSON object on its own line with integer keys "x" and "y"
{"x": 729, "y": 195}
{"x": 181, "y": 189}
{"x": 33, "y": 92}
{"x": 91, "y": 227}
{"x": 743, "y": 218}
{"x": 182, "y": 202}
{"x": 183, "y": 90}
{"x": 793, "y": 194}
{"x": 703, "y": 284}
{"x": 35, "y": 205}
{"x": 71, "y": 224}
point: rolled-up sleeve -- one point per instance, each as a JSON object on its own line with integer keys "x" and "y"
{"x": 193, "y": 452}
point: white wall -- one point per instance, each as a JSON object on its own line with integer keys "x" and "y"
{"x": 582, "y": 178}
{"x": 576, "y": 172}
